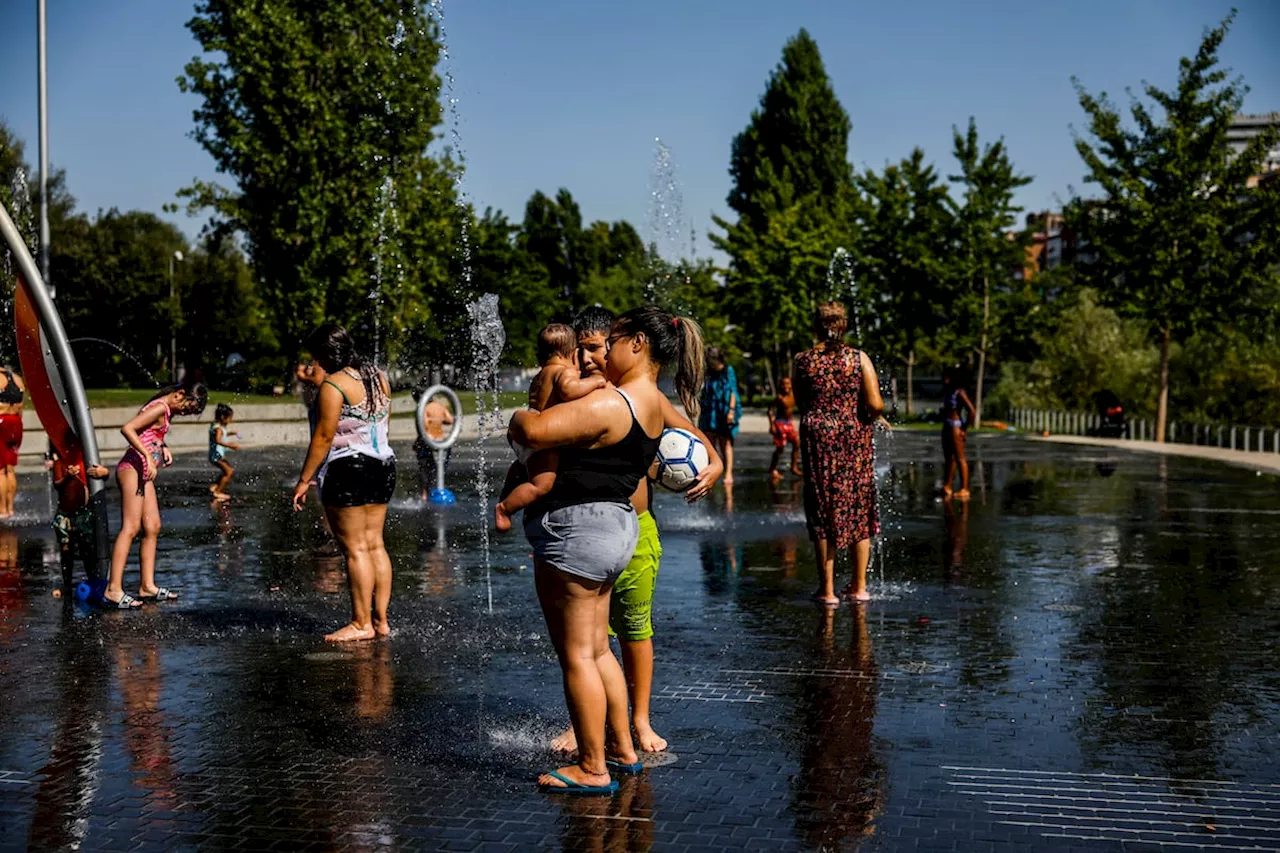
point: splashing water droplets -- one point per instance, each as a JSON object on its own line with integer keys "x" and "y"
{"x": 667, "y": 225}
{"x": 399, "y": 36}
{"x": 25, "y": 220}
{"x": 842, "y": 286}
{"x": 666, "y": 206}
{"x": 488, "y": 338}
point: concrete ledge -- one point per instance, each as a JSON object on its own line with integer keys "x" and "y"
{"x": 262, "y": 425}
{"x": 1269, "y": 462}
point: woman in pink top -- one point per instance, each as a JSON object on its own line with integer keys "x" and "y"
{"x": 136, "y": 474}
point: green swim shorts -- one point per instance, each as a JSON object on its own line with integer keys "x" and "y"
{"x": 631, "y": 607}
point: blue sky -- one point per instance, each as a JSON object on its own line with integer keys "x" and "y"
{"x": 572, "y": 93}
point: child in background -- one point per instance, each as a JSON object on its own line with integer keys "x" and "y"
{"x": 955, "y": 428}
{"x": 218, "y": 448}
{"x": 559, "y": 381}
{"x": 73, "y": 522}
{"x": 782, "y": 427}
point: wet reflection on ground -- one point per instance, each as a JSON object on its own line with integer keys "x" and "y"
{"x": 1080, "y": 658}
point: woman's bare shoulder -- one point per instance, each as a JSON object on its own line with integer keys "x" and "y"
{"x": 647, "y": 399}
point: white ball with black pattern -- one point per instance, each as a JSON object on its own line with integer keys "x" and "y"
{"x": 681, "y": 458}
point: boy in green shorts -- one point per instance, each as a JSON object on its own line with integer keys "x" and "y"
{"x": 631, "y": 605}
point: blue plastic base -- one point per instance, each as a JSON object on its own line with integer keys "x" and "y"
{"x": 91, "y": 591}
{"x": 444, "y": 497}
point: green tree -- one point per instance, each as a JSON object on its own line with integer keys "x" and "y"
{"x": 527, "y": 298}
{"x": 902, "y": 255}
{"x": 115, "y": 286}
{"x": 1178, "y": 238}
{"x": 551, "y": 234}
{"x": 322, "y": 113}
{"x": 794, "y": 197}
{"x": 20, "y": 194}
{"x": 224, "y": 316}
{"x": 1084, "y": 349}
{"x": 986, "y": 250}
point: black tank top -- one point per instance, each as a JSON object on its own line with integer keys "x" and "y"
{"x": 12, "y": 394}
{"x": 603, "y": 474}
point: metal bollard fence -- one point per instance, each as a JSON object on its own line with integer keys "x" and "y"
{"x": 1230, "y": 436}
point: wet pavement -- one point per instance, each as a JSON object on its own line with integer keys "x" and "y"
{"x": 1083, "y": 658}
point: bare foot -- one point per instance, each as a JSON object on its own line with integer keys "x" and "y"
{"x": 348, "y": 633}
{"x": 576, "y": 774}
{"x": 647, "y": 740}
{"x": 963, "y": 494}
{"x": 860, "y": 596}
{"x": 221, "y": 496}
{"x": 381, "y": 628}
{"x": 821, "y": 597}
{"x": 796, "y": 471}
{"x": 565, "y": 742}
{"x": 775, "y": 475}
{"x": 728, "y": 481}
{"x": 946, "y": 493}
{"x": 501, "y": 519}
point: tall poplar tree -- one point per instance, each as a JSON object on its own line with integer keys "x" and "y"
{"x": 321, "y": 112}
{"x": 1179, "y": 237}
{"x": 987, "y": 250}
{"x": 903, "y": 254}
{"x": 793, "y": 194}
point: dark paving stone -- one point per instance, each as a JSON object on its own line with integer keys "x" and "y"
{"x": 1073, "y": 662}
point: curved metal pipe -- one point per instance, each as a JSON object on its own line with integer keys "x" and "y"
{"x": 77, "y": 401}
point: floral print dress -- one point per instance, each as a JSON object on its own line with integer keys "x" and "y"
{"x": 837, "y": 445}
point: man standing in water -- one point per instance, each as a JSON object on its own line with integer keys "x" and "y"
{"x": 631, "y": 606}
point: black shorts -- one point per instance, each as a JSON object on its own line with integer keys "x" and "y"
{"x": 358, "y": 481}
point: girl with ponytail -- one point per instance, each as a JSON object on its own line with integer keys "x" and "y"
{"x": 585, "y": 531}
{"x": 351, "y": 457}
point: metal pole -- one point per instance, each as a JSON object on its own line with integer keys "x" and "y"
{"x": 43, "y": 85}
{"x": 78, "y": 402}
{"x": 173, "y": 331}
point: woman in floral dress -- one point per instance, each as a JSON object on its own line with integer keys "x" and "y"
{"x": 838, "y": 390}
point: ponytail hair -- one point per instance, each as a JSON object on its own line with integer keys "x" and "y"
{"x": 195, "y": 391}
{"x": 672, "y": 341}
{"x": 334, "y": 350}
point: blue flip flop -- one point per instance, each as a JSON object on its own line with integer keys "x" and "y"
{"x": 572, "y": 787}
{"x": 622, "y": 767}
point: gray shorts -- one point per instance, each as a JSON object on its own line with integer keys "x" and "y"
{"x": 594, "y": 541}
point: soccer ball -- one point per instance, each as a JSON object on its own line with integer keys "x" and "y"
{"x": 681, "y": 458}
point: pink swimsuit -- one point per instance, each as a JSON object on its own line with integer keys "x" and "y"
{"x": 152, "y": 439}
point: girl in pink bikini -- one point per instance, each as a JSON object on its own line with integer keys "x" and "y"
{"x": 136, "y": 474}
